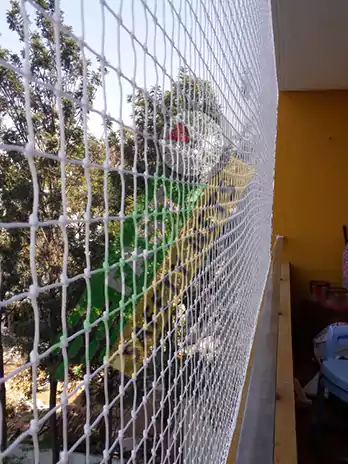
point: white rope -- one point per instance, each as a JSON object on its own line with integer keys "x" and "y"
{"x": 175, "y": 295}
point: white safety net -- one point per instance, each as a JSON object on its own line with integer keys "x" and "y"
{"x": 136, "y": 185}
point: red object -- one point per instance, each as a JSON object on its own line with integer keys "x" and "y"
{"x": 319, "y": 290}
{"x": 179, "y": 133}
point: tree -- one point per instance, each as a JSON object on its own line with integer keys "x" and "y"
{"x": 154, "y": 108}
{"x": 17, "y": 183}
{"x": 142, "y": 150}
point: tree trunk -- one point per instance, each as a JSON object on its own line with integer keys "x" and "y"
{"x": 110, "y": 388}
{"x": 54, "y": 439}
{"x": 54, "y": 435}
{"x": 3, "y": 417}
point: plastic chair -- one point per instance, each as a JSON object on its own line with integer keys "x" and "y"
{"x": 333, "y": 375}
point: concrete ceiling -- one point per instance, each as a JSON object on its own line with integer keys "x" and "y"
{"x": 311, "y": 41}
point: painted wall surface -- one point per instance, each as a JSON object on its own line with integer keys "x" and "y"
{"x": 311, "y": 184}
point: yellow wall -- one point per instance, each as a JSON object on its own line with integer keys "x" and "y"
{"x": 311, "y": 183}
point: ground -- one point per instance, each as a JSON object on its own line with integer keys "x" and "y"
{"x": 20, "y": 409}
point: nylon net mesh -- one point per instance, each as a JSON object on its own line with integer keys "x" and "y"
{"x": 136, "y": 184}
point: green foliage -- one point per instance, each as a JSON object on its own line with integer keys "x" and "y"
{"x": 58, "y": 182}
{"x": 152, "y": 109}
{"x": 141, "y": 150}
{"x": 78, "y": 371}
{"x": 16, "y": 194}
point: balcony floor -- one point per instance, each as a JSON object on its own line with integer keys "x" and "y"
{"x": 333, "y": 446}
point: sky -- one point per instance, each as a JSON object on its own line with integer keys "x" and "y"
{"x": 123, "y": 47}
{"x": 131, "y": 60}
